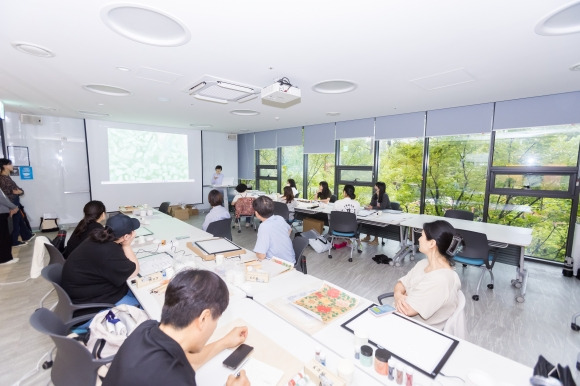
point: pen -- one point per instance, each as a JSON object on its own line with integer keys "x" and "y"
{"x": 241, "y": 367}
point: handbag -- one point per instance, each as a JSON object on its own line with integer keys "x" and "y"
{"x": 320, "y": 244}
{"x": 109, "y": 329}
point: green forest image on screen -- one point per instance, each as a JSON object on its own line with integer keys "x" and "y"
{"x": 145, "y": 156}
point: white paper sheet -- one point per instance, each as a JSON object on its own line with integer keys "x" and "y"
{"x": 154, "y": 263}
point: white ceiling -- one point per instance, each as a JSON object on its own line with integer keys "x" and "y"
{"x": 489, "y": 48}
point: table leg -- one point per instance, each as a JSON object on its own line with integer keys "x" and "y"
{"x": 521, "y": 279}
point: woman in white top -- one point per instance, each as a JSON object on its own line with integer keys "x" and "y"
{"x": 288, "y": 199}
{"x": 429, "y": 292}
{"x": 291, "y": 183}
{"x": 242, "y": 192}
{"x": 218, "y": 211}
{"x": 348, "y": 203}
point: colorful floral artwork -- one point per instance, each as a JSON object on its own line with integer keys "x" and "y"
{"x": 327, "y": 303}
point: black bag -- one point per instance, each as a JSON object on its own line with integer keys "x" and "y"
{"x": 59, "y": 240}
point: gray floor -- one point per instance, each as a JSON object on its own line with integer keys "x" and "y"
{"x": 496, "y": 322}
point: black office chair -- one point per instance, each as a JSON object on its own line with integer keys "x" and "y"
{"x": 164, "y": 207}
{"x": 299, "y": 244}
{"x": 460, "y": 214}
{"x": 221, "y": 228}
{"x": 343, "y": 225}
{"x": 74, "y": 364}
{"x": 395, "y": 205}
{"x": 476, "y": 252}
{"x": 281, "y": 209}
{"x": 332, "y": 199}
{"x": 55, "y": 256}
{"x": 65, "y": 308}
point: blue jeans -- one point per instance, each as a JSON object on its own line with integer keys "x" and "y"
{"x": 128, "y": 299}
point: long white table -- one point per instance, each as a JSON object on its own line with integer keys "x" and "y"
{"x": 498, "y": 235}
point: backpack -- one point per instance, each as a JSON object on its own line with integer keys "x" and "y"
{"x": 109, "y": 329}
{"x": 244, "y": 207}
{"x": 59, "y": 240}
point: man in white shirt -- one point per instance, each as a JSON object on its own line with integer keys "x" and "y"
{"x": 273, "y": 234}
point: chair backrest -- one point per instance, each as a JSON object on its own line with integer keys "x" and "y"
{"x": 221, "y": 228}
{"x": 64, "y": 307}
{"x": 475, "y": 245}
{"x": 73, "y": 364}
{"x": 55, "y": 256}
{"x": 332, "y": 198}
{"x": 164, "y": 207}
{"x": 461, "y": 214}
{"x": 455, "y": 325}
{"x": 244, "y": 206}
{"x": 395, "y": 205}
{"x": 342, "y": 221}
{"x": 299, "y": 244}
{"x": 281, "y": 209}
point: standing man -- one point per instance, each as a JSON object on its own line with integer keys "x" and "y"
{"x": 218, "y": 177}
{"x": 273, "y": 234}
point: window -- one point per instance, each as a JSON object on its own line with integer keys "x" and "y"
{"x": 293, "y": 166}
{"x": 400, "y": 168}
{"x": 320, "y": 168}
{"x": 456, "y": 174}
{"x": 267, "y": 170}
{"x": 355, "y": 167}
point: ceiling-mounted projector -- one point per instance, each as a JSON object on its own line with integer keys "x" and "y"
{"x": 281, "y": 92}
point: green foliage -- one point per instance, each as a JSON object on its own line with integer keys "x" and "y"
{"x": 292, "y": 165}
{"x": 320, "y": 168}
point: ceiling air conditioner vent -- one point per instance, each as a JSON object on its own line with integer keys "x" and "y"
{"x": 216, "y": 90}
{"x": 232, "y": 137}
{"x": 31, "y": 119}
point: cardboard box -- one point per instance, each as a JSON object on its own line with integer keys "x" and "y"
{"x": 311, "y": 223}
{"x": 178, "y": 212}
{"x": 192, "y": 210}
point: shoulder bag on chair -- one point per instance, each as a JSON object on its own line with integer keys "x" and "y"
{"x": 319, "y": 244}
{"x": 110, "y": 328}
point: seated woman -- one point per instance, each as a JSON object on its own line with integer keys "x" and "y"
{"x": 218, "y": 211}
{"x": 347, "y": 204}
{"x": 288, "y": 199}
{"x": 429, "y": 292}
{"x": 291, "y": 183}
{"x": 380, "y": 201}
{"x": 95, "y": 215}
{"x": 324, "y": 193}
{"x": 98, "y": 269}
{"x": 242, "y": 192}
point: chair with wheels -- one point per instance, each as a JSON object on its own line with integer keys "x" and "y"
{"x": 332, "y": 199}
{"x": 55, "y": 256}
{"x": 395, "y": 205}
{"x": 221, "y": 228}
{"x": 460, "y": 214}
{"x": 476, "y": 252}
{"x": 343, "y": 225}
{"x": 244, "y": 208}
{"x": 299, "y": 244}
{"x": 164, "y": 207}
{"x": 65, "y": 308}
{"x": 455, "y": 325}
{"x": 74, "y": 364}
{"x": 281, "y": 209}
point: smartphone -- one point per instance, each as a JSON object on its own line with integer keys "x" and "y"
{"x": 381, "y": 310}
{"x": 238, "y": 356}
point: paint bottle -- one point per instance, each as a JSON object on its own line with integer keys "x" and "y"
{"x": 366, "y": 355}
{"x": 409, "y": 374}
{"x": 317, "y": 351}
{"x": 392, "y": 363}
{"x": 322, "y": 359}
{"x": 381, "y": 361}
{"x": 357, "y": 353}
{"x": 399, "y": 371}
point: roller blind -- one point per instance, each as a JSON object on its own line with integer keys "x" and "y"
{"x": 355, "y": 129}
{"x": 319, "y": 138}
{"x": 460, "y": 120}
{"x": 400, "y": 126}
{"x": 265, "y": 140}
{"x": 289, "y": 137}
{"x": 246, "y": 163}
{"x": 558, "y": 109}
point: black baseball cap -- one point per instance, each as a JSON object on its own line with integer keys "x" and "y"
{"x": 122, "y": 224}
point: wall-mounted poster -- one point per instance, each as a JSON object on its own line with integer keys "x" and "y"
{"x": 19, "y": 155}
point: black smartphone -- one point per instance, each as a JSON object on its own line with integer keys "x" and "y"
{"x": 238, "y": 356}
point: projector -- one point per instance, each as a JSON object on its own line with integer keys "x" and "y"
{"x": 280, "y": 93}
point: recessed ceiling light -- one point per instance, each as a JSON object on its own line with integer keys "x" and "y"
{"x": 93, "y": 114}
{"x": 332, "y": 113}
{"x": 106, "y": 90}
{"x": 334, "y": 86}
{"x": 125, "y": 69}
{"x": 33, "y": 49}
{"x": 575, "y": 67}
{"x": 244, "y": 112}
{"x": 562, "y": 21}
{"x": 145, "y": 25}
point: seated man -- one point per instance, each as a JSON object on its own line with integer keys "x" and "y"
{"x": 97, "y": 270}
{"x": 273, "y": 234}
{"x": 169, "y": 353}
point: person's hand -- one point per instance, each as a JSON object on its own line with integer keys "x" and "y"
{"x": 13, "y": 211}
{"x": 17, "y": 191}
{"x": 401, "y": 304}
{"x": 242, "y": 380}
{"x": 235, "y": 337}
{"x": 368, "y": 207}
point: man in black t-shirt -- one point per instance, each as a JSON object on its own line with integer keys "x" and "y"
{"x": 168, "y": 353}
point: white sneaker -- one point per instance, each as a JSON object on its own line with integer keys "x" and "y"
{"x": 247, "y": 225}
{"x": 13, "y": 261}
